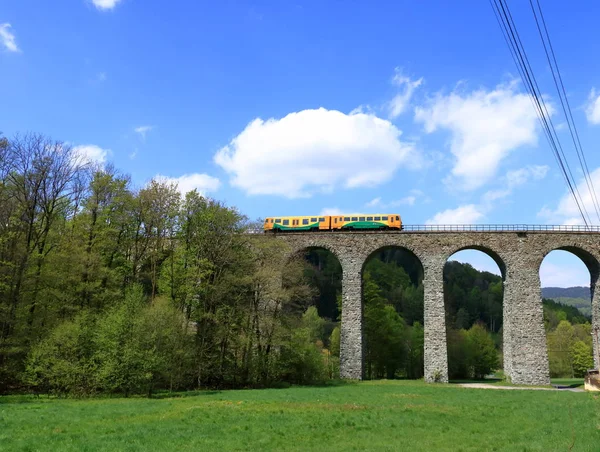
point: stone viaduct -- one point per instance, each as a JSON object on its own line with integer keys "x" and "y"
{"x": 518, "y": 255}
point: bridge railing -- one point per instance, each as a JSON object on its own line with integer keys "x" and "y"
{"x": 499, "y": 227}
{"x": 481, "y": 228}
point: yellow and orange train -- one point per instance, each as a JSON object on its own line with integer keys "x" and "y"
{"x": 353, "y": 221}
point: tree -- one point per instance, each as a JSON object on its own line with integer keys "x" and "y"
{"x": 582, "y": 358}
{"x": 482, "y": 356}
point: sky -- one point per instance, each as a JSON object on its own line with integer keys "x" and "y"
{"x": 306, "y": 107}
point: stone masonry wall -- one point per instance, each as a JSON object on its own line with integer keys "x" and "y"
{"x": 519, "y": 256}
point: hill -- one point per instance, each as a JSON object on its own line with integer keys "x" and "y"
{"x": 567, "y": 292}
{"x": 578, "y": 297}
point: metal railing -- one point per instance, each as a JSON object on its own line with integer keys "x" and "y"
{"x": 499, "y": 227}
{"x": 475, "y": 228}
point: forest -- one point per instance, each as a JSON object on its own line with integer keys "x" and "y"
{"x": 109, "y": 288}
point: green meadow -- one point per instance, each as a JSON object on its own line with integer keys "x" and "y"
{"x": 374, "y": 415}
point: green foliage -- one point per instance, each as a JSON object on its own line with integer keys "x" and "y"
{"x": 472, "y": 296}
{"x": 65, "y": 362}
{"x": 555, "y": 312}
{"x": 385, "y": 334}
{"x": 581, "y": 356}
{"x": 334, "y": 342}
{"x": 482, "y": 356}
{"x": 570, "y": 349}
{"x": 302, "y": 359}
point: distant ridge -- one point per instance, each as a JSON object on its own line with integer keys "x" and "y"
{"x": 567, "y": 292}
{"x": 578, "y": 297}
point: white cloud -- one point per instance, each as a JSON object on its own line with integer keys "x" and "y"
{"x": 515, "y": 178}
{"x": 485, "y": 127}
{"x": 467, "y": 214}
{"x": 314, "y": 151}
{"x": 104, "y": 5}
{"x": 203, "y": 183}
{"x": 592, "y": 110}
{"x": 7, "y": 38}
{"x": 331, "y": 211}
{"x": 90, "y": 153}
{"x": 512, "y": 180}
{"x": 142, "y": 130}
{"x": 567, "y": 212}
{"x": 407, "y": 87}
{"x": 374, "y": 203}
{"x": 406, "y": 201}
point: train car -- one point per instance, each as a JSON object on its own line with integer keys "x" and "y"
{"x": 291, "y": 224}
{"x": 366, "y": 221}
{"x": 333, "y": 222}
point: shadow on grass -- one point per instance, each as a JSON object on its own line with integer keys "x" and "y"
{"x": 566, "y": 383}
{"x": 489, "y": 381}
{"x": 160, "y": 395}
{"x": 183, "y": 394}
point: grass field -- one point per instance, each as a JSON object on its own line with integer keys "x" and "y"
{"x": 380, "y": 415}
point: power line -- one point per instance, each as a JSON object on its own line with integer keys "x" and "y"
{"x": 517, "y": 50}
{"x": 572, "y": 127}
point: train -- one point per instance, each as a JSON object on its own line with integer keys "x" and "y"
{"x": 345, "y": 222}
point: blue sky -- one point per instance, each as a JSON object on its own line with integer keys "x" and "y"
{"x": 310, "y": 106}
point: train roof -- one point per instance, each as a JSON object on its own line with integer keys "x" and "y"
{"x": 336, "y": 215}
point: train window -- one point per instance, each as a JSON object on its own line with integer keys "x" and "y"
{"x": 346, "y": 218}
{"x": 285, "y": 222}
{"x": 313, "y": 220}
{"x": 397, "y": 218}
{"x": 377, "y": 218}
{"x": 369, "y": 218}
{"x": 278, "y": 220}
{"x": 335, "y": 220}
{"x": 305, "y": 221}
{"x": 322, "y": 219}
{"x": 384, "y": 218}
{"x": 354, "y": 218}
{"x": 361, "y": 219}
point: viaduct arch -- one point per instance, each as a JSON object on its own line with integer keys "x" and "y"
{"x": 518, "y": 255}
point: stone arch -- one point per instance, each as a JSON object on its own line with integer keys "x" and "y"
{"x": 592, "y": 263}
{"x": 303, "y": 247}
{"x": 403, "y": 247}
{"x": 322, "y": 301}
{"x": 409, "y": 306}
{"x": 489, "y": 251}
{"x": 494, "y": 321}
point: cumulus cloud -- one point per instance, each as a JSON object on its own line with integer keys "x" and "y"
{"x": 592, "y": 110}
{"x": 485, "y": 127}
{"x": 514, "y": 179}
{"x": 471, "y": 213}
{"x": 143, "y": 130}
{"x": 203, "y": 183}
{"x": 567, "y": 212}
{"x": 90, "y": 153}
{"x": 315, "y": 151}
{"x": 409, "y": 200}
{"x": 331, "y": 211}
{"x": 467, "y": 214}
{"x": 104, "y": 5}
{"x": 7, "y": 38}
{"x": 406, "y": 87}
